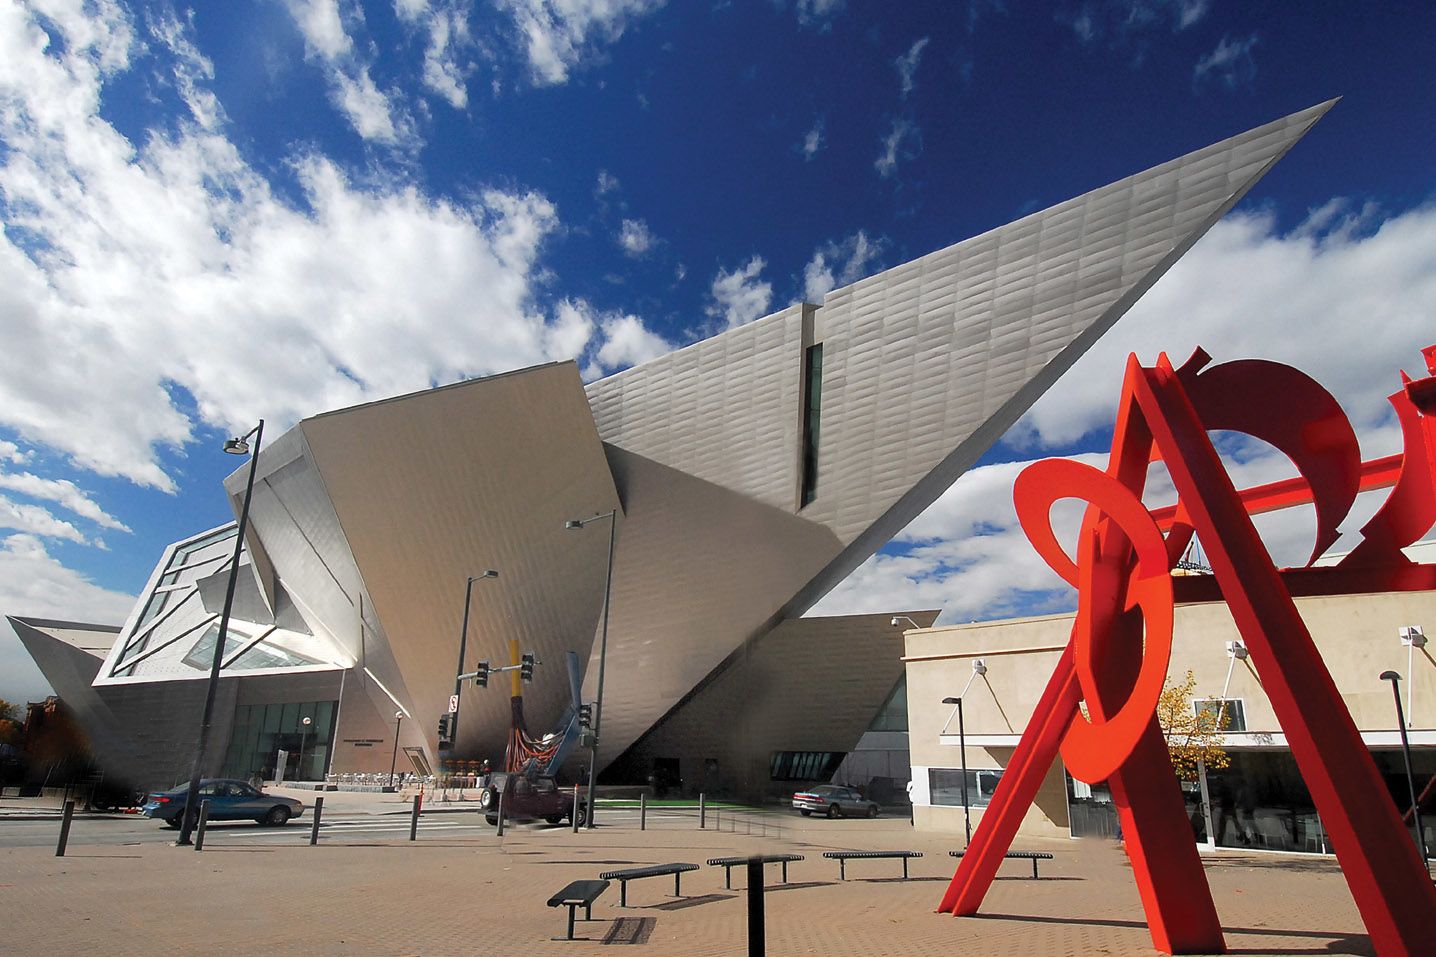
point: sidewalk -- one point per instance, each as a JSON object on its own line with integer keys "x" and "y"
{"x": 469, "y": 892}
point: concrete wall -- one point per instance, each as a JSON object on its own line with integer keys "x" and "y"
{"x": 1356, "y": 635}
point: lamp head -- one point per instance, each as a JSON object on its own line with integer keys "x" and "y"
{"x": 1390, "y": 676}
{"x": 1237, "y": 650}
{"x": 236, "y": 446}
{"x": 979, "y": 666}
{"x": 573, "y": 523}
{"x": 398, "y": 716}
{"x": 307, "y": 721}
{"x": 1413, "y": 635}
{"x": 894, "y": 622}
{"x": 489, "y": 573}
{"x": 950, "y": 700}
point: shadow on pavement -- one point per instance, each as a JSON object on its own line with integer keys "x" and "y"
{"x": 1356, "y": 945}
{"x": 686, "y": 902}
{"x": 630, "y": 930}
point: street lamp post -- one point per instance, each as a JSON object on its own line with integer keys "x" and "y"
{"x": 1395, "y": 680}
{"x": 612, "y": 517}
{"x": 393, "y": 758}
{"x": 235, "y": 446}
{"x": 979, "y": 668}
{"x": 463, "y": 647}
{"x": 303, "y": 736}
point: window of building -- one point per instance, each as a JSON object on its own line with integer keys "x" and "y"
{"x": 261, "y": 731}
{"x": 805, "y": 765}
{"x": 945, "y": 786}
{"x": 812, "y": 408}
{"x": 1228, "y": 714}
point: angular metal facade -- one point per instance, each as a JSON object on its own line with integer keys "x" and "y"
{"x": 749, "y": 477}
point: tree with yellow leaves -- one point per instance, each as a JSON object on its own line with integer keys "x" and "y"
{"x": 1194, "y": 735}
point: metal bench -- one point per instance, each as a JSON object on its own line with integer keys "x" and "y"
{"x": 636, "y": 873}
{"x": 842, "y": 858}
{"x": 1033, "y": 856}
{"x": 575, "y": 895}
{"x": 728, "y": 863}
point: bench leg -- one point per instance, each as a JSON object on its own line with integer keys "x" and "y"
{"x": 728, "y": 877}
{"x": 785, "y": 872}
{"x": 571, "y": 909}
{"x": 588, "y": 912}
{"x": 623, "y": 893}
{"x": 676, "y": 891}
{"x": 904, "y": 868}
{"x": 1034, "y": 868}
{"x": 842, "y": 868}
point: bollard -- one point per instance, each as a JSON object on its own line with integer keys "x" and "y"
{"x": 203, "y": 820}
{"x": 65, "y": 828}
{"x": 757, "y": 935}
{"x": 314, "y": 828}
{"x": 574, "y": 816}
{"x": 414, "y": 817}
{"x": 642, "y": 811}
{"x": 702, "y": 812}
{"x": 500, "y": 831}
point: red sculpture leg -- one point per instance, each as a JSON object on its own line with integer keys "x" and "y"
{"x": 1016, "y": 791}
{"x": 1165, "y": 863}
{"x": 1388, "y": 881}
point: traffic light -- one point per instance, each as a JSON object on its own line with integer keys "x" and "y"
{"x": 481, "y": 675}
{"x": 526, "y": 667}
{"x": 585, "y": 716}
{"x": 446, "y": 730}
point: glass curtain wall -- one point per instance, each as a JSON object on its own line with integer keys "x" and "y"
{"x": 1261, "y": 802}
{"x": 261, "y": 731}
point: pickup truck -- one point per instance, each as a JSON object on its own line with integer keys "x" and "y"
{"x": 537, "y": 798}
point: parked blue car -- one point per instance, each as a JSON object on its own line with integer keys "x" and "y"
{"x": 228, "y": 801}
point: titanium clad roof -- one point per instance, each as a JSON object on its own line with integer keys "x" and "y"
{"x": 922, "y": 359}
{"x": 924, "y": 367}
{"x": 726, "y": 410}
{"x": 434, "y": 487}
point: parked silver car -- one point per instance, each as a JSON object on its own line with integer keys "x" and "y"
{"x": 833, "y": 800}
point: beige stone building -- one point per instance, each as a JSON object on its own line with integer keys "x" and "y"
{"x": 1258, "y": 802}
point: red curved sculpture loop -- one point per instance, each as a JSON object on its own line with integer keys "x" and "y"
{"x": 1095, "y": 747}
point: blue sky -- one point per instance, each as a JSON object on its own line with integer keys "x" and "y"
{"x": 218, "y": 213}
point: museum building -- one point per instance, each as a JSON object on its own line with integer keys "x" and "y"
{"x": 668, "y": 526}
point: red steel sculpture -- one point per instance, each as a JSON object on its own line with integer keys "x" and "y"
{"x": 1116, "y": 662}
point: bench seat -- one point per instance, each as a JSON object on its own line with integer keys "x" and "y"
{"x": 652, "y": 870}
{"x": 1033, "y": 856}
{"x": 578, "y": 894}
{"x": 728, "y": 863}
{"x": 842, "y": 857}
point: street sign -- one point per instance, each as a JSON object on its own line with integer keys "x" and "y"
{"x": 453, "y": 704}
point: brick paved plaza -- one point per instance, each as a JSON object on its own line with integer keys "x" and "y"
{"x": 461, "y": 890}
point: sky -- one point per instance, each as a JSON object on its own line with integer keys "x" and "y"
{"x": 215, "y": 213}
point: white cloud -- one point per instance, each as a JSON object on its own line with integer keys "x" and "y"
{"x": 627, "y": 342}
{"x": 375, "y": 115}
{"x": 1127, "y": 21}
{"x": 607, "y": 183}
{"x": 907, "y": 65}
{"x": 813, "y": 140}
{"x": 62, "y": 491}
{"x": 635, "y": 237}
{"x": 838, "y": 264}
{"x": 33, "y": 584}
{"x": 35, "y": 520}
{"x": 558, "y": 36}
{"x": 902, "y": 142}
{"x": 817, "y": 11}
{"x": 192, "y": 69}
{"x": 1231, "y": 62}
{"x": 446, "y": 23}
{"x": 741, "y": 295}
{"x": 10, "y": 452}
{"x": 171, "y": 270}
